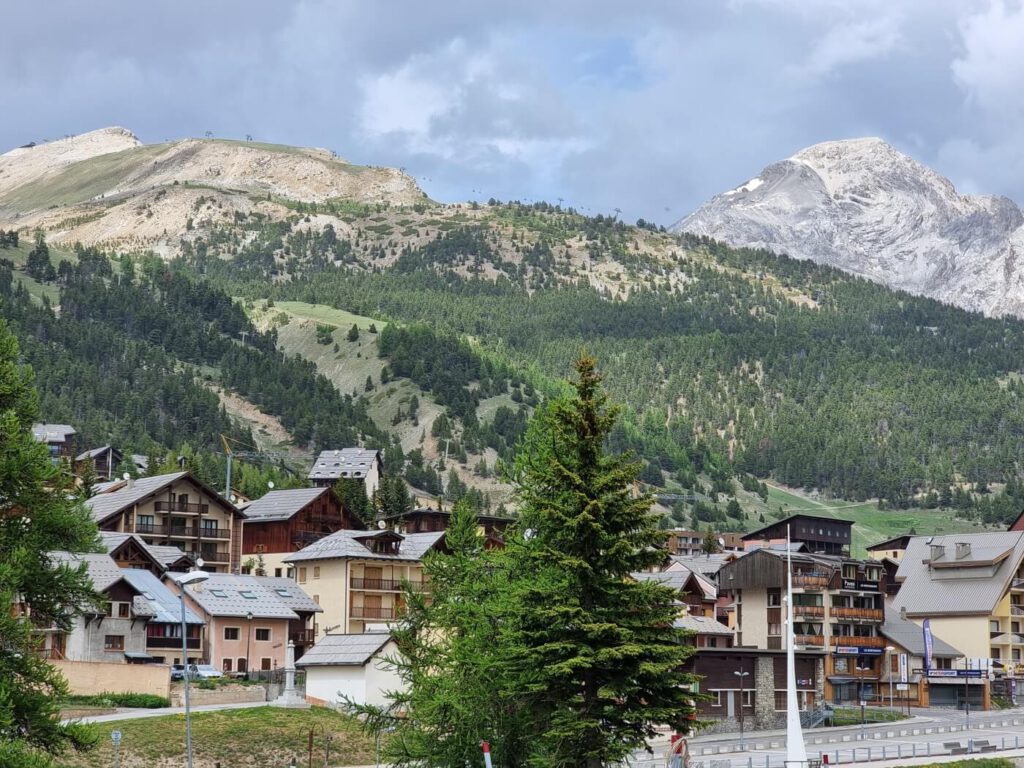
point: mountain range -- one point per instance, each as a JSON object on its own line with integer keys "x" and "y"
{"x": 862, "y": 206}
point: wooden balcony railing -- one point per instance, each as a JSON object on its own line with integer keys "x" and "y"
{"x": 843, "y": 612}
{"x": 382, "y": 585}
{"x": 809, "y": 610}
{"x": 368, "y": 612}
{"x": 182, "y": 508}
{"x": 809, "y": 640}
{"x": 303, "y": 636}
{"x": 180, "y": 531}
{"x": 857, "y": 641}
{"x": 810, "y": 580}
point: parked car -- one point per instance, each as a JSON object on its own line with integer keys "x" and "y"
{"x": 177, "y": 672}
{"x": 203, "y": 672}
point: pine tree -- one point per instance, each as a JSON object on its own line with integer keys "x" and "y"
{"x": 37, "y": 516}
{"x": 604, "y": 658}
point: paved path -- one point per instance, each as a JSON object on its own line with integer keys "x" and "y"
{"x": 136, "y": 714}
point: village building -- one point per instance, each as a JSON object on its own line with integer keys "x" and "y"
{"x": 890, "y": 549}
{"x": 426, "y": 520}
{"x": 684, "y": 542}
{"x": 358, "y": 576}
{"x": 363, "y": 464}
{"x": 250, "y": 619}
{"x": 283, "y": 522}
{"x": 352, "y": 667}
{"x": 104, "y": 461}
{"x": 818, "y": 534}
{"x": 175, "y": 510}
{"x": 130, "y": 551}
{"x": 59, "y": 439}
{"x": 906, "y": 639}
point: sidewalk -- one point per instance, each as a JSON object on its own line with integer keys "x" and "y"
{"x": 137, "y": 714}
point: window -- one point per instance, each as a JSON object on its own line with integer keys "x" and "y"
{"x": 993, "y": 625}
{"x": 748, "y": 698}
{"x": 247, "y": 594}
{"x": 316, "y": 599}
{"x": 108, "y": 608}
{"x": 209, "y": 526}
{"x": 715, "y": 698}
{"x": 124, "y": 610}
{"x": 840, "y": 664}
{"x": 774, "y": 599}
{"x": 316, "y": 571}
{"x": 302, "y": 575}
{"x": 265, "y": 663}
{"x": 113, "y": 643}
{"x": 995, "y": 653}
{"x": 231, "y": 633}
{"x": 1015, "y": 627}
{"x": 774, "y": 629}
{"x": 227, "y": 664}
{"x": 243, "y": 665}
{"x": 277, "y": 573}
{"x": 263, "y": 635}
{"x": 218, "y": 593}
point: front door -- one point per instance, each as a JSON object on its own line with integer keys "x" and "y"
{"x": 372, "y": 576}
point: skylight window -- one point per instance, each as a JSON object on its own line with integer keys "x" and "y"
{"x": 283, "y": 592}
{"x": 218, "y": 593}
{"x": 247, "y": 594}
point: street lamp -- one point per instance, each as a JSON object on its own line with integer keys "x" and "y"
{"x": 862, "y": 668}
{"x": 741, "y": 674}
{"x": 192, "y": 577}
{"x": 888, "y": 660}
{"x": 248, "y": 642}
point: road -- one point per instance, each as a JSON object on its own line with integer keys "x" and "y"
{"x": 922, "y": 735}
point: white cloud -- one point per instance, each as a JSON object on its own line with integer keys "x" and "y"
{"x": 990, "y": 69}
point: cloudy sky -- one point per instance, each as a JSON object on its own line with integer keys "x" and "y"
{"x": 650, "y": 107}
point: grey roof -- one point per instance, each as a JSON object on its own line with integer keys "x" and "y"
{"x": 52, "y": 433}
{"x": 969, "y": 585}
{"x": 346, "y": 544}
{"x": 281, "y": 505}
{"x": 92, "y": 454}
{"x": 344, "y": 650}
{"x": 702, "y": 625}
{"x": 289, "y": 593}
{"x": 163, "y": 603}
{"x": 102, "y": 570}
{"x": 228, "y": 594}
{"x": 708, "y": 565}
{"x": 910, "y": 636}
{"x": 105, "y": 505}
{"x": 676, "y": 577}
{"x": 165, "y": 554}
{"x": 346, "y": 462}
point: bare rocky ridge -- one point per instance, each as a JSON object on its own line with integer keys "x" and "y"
{"x": 862, "y": 206}
{"x": 106, "y": 188}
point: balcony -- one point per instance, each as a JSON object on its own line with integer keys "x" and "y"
{"x": 817, "y": 640}
{"x": 383, "y": 585}
{"x": 171, "y": 642}
{"x": 182, "y": 508}
{"x": 372, "y": 612}
{"x": 857, "y": 641}
{"x": 214, "y": 533}
{"x": 809, "y": 610}
{"x": 213, "y": 554}
{"x": 1017, "y": 584}
{"x": 1016, "y": 610}
{"x": 810, "y": 581}
{"x": 179, "y": 531}
{"x": 868, "y": 614}
{"x": 303, "y": 636}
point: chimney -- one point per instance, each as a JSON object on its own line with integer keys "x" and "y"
{"x": 903, "y": 612}
{"x": 938, "y": 551}
{"x": 963, "y": 549}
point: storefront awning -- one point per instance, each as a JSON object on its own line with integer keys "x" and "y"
{"x": 135, "y": 656}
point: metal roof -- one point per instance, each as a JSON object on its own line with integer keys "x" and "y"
{"x": 105, "y": 505}
{"x": 164, "y": 554}
{"x": 344, "y": 650}
{"x": 52, "y": 433}
{"x": 281, "y": 505}
{"x": 102, "y": 570}
{"x": 702, "y": 625}
{"x": 161, "y": 600}
{"x": 910, "y": 636}
{"x": 346, "y": 462}
{"x": 677, "y": 576}
{"x": 708, "y": 565}
{"x": 228, "y": 594}
{"x": 799, "y": 516}
{"x": 92, "y": 454}
{"x": 289, "y": 593}
{"x": 346, "y": 544}
{"x": 949, "y": 585}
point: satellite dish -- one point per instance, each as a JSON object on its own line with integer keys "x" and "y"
{"x": 234, "y": 499}
{"x": 381, "y": 524}
{"x": 126, "y": 476}
{"x": 200, "y": 562}
{"x": 721, "y": 541}
{"x": 529, "y": 533}
{"x": 270, "y": 484}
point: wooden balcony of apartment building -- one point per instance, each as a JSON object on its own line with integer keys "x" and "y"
{"x": 383, "y": 585}
{"x": 178, "y": 531}
{"x": 810, "y": 581}
{"x": 303, "y": 636}
{"x": 307, "y": 537}
{"x": 181, "y": 507}
{"x": 868, "y": 614}
{"x": 814, "y": 611}
{"x": 213, "y": 554}
{"x": 858, "y": 641}
{"x": 815, "y": 640}
{"x": 372, "y": 612}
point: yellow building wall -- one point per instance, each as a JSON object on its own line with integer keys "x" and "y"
{"x": 88, "y": 678}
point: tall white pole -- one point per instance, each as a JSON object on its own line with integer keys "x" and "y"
{"x": 184, "y": 663}
{"x": 796, "y": 752}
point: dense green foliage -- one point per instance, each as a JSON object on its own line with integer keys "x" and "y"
{"x": 37, "y": 517}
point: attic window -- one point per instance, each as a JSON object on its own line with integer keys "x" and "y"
{"x": 218, "y": 593}
{"x": 248, "y": 595}
{"x": 283, "y": 592}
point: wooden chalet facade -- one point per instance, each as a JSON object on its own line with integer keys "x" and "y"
{"x": 283, "y": 522}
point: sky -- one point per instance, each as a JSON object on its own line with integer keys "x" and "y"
{"x": 648, "y": 108}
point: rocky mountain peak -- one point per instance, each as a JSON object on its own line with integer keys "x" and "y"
{"x": 867, "y": 208}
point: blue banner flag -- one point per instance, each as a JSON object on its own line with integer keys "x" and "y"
{"x": 927, "y": 627}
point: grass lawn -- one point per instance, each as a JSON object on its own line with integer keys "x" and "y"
{"x": 260, "y": 737}
{"x": 321, "y": 313}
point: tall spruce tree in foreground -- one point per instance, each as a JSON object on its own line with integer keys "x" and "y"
{"x": 603, "y": 657}
{"x": 37, "y": 516}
